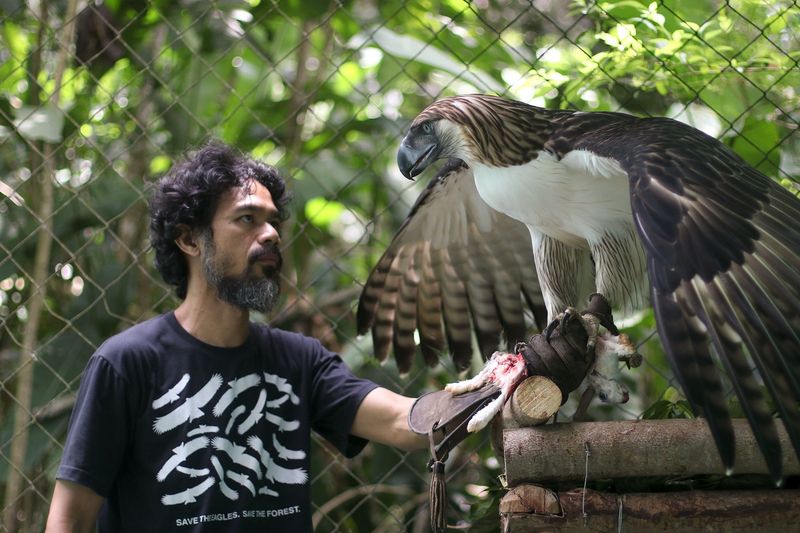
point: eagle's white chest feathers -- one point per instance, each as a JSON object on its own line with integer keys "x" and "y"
{"x": 575, "y": 200}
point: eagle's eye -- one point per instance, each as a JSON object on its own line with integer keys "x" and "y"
{"x": 427, "y": 127}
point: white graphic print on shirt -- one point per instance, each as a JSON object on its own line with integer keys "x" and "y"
{"x": 254, "y": 469}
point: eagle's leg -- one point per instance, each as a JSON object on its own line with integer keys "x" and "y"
{"x": 621, "y": 269}
{"x": 565, "y": 273}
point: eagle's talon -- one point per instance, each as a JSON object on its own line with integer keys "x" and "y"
{"x": 572, "y": 314}
{"x": 551, "y": 327}
{"x": 562, "y": 323}
{"x": 566, "y": 316}
{"x": 599, "y": 308}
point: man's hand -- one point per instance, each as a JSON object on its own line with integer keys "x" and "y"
{"x": 505, "y": 371}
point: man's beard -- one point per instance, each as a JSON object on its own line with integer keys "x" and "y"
{"x": 249, "y": 290}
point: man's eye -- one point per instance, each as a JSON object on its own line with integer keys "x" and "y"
{"x": 247, "y": 219}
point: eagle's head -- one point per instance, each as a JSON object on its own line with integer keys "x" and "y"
{"x": 476, "y": 128}
{"x": 437, "y": 133}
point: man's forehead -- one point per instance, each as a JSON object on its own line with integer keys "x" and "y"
{"x": 251, "y": 194}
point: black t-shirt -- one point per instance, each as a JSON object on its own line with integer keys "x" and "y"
{"x": 179, "y": 435}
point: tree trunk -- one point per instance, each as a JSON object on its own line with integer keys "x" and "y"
{"x": 44, "y": 211}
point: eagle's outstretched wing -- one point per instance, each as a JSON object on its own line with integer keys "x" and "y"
{"x": 723, "y": 250}
{"x": 454, "y": 265}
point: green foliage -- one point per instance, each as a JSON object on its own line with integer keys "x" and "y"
{"x": 758, "y": 145}
{"x": 670, "y": 406}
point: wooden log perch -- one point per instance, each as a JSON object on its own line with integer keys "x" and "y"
{"x": 534, "y": 508}
{"x": 638, "y": 448}
{"x": 530, "y": 499}
{"x": 534, "y": 402}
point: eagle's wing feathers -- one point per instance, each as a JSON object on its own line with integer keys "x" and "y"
{"x": 723, "y": 248}
{"x": 455, "y": 265}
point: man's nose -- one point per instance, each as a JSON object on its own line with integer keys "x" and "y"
{"x": 269, "y": 234}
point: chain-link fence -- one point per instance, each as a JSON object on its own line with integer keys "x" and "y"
{"x": 97, "y": 100}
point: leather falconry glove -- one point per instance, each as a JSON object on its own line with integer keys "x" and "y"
{"x": 564, "y": 353}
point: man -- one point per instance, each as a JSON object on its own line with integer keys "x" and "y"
{"x": 199, "y": 420}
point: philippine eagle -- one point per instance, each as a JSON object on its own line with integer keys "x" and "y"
{"x": 545, "y": 207}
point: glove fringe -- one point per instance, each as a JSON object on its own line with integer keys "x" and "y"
{"x": 438, "y": 498}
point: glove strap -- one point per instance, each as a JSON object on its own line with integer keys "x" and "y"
{"x": 441, "y": 412}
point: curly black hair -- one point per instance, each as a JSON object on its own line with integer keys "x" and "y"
{"x": 188, "y": 196}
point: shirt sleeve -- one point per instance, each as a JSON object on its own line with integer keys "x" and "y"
{"x": 98, "y": 429}
{"x": 336, "y": 396}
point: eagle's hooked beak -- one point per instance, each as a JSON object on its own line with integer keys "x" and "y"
{"x": 417, "y": 151}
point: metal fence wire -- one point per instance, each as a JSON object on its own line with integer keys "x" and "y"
{"x": 97, "y": 99}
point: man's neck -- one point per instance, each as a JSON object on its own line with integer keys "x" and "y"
{"x": 213, "y": 321}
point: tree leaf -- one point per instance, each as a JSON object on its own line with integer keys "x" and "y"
{"x": 43, "y": 123}
{"x": 757, "y": 144}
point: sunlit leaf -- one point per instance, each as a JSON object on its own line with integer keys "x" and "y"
{"x": 159, "y": 164}
{"x": 321, "y": 211}
{"x": 15, "y": 39}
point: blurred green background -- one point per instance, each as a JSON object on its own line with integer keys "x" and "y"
{"x": 97, "y": 101}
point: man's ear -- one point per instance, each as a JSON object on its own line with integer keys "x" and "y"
{"x": 187, "y": 241}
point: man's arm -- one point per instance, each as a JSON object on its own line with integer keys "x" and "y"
{"x": 383, "y": 417}
{"x": 74, "y": 508}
